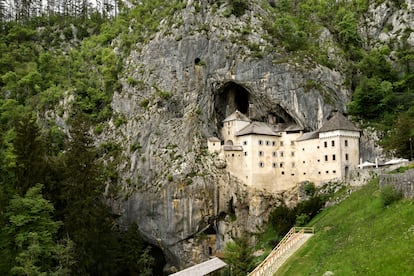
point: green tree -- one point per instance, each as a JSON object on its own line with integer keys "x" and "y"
{"x": 28, "y": 240}
{"x": 135, "y": 255}
{"x": 87, "y": 219}
{"x": 239, "y": 255}
{"x": 400, "y": 140}
{"x": 29, "y": 151}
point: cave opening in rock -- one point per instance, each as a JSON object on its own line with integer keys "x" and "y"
{"x": 159, "y": 259}
{"x": 229, "y": 98}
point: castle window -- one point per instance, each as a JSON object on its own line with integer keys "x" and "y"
{"x": 346, "y": 143}
{"x": 334, "y": 171}
{"x": 260, "y": 153}
{"x": 333, "y": 143}
{"x": 303, "y": 162}
{"x": 346, "y": 156}
{"x": 325, "y": 144}
{"x": 319, "y": 172}
{"x": 317, "y": 147}
{"x": 292, "y": 174}
{"x": 232, "y": 155}
{"x": 281, "y": 154}
{"x": 333, "y": 157}
{"x": 245, "y": 153}
{"x": 304, "y": 173}
{"x": 281, "y": 164}
{"x": 274, "y": 154}
{"x": 274, "y": 165}
{"x": 281, "y": 143}
{"x": 319, "y": 160}
{"x": 214, "y": 144}
{"x": 267, "y": 143}
{"x": 292, "y": 143}
{"x": 327, "y": 171}
{"x": 244, "y": 143}
{"x": 228, "y": 132}
{"x": 283, "y": 173}
{"x": 293, "y": 164}
{"x": 261, "y": 164}
{"x": 260, "y": 142}
{"x": 303, "y": 149}
{"x": 326, "y": 157}
{"x": 293, "y": 153}
{"x": 273, "y": 143}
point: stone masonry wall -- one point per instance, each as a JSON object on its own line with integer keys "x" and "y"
{"x": 403, "y": 182}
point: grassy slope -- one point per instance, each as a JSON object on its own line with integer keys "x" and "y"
{"x": 359, "y": 237}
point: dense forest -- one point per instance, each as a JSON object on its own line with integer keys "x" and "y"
{"x": 55, "y": 180}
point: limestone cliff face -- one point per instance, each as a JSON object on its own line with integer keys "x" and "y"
{"x": 178, "y": 87}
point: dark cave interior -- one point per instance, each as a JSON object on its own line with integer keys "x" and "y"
{"x": 232, "y": 96}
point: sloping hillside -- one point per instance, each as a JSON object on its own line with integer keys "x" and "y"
{"x": 359, "y": 237}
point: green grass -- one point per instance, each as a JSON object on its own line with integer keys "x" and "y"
{"x": 359, "y": 237}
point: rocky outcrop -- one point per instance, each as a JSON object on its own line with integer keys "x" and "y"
{"x": 176, "y": 90}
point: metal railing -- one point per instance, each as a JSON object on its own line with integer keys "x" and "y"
{"x": 268, "y": 266}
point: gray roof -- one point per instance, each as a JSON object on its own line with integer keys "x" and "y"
{"x": 202, "y": 269}
{"x": 214, "y": 139}
{"x": 232, "y": 148}
{"x": 286, "y": 127}
{"x": 308, "y": 136}
{"x": 257, "y": 128}
{"x": 237, "y": 115}
{"x": 338, "y": 122}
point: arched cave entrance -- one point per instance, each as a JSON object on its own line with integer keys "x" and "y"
{"x": 159, "y": 258}
{"x": 229, "y": 98}
{"x": 232, "y": 96}
{"x": 211, "y": 238}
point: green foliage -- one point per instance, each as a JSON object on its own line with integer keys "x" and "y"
{"x": 309, "y": 188}
{"x": 29, "y": 152}
{"x": 28, "y": 240}
{"x": 400, "y": 139}
{"x": 136, "y": 258}
{"x": 144, "y": 103}
{"x": 239, "y": 255}
{"x": 288, "y": 31}
{"x": 238, "y": 7}
{"x": 346, "y": 25}
{"x": 283, "y": 218}
{"x": 389, "y": 195}
{"x": 87, "y": 220}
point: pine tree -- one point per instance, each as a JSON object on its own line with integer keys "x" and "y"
{"x": 87, "y": 220}
{"x": 239, "y": 255}
{"x": 135, "y": 255}
{"x": 29, "y": 151}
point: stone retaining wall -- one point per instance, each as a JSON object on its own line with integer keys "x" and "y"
{"x": 403, "y": 182}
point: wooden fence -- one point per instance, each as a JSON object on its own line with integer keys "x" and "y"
{"x": 269, "y": 265}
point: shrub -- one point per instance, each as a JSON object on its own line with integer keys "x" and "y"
{"x": 390, "y": 195}
{"x": 144, "y": 103}
{"x": 302, "y": 219}
{"x": 309, "y": 189}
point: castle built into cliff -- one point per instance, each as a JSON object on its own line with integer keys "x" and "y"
{"x": 277, "y": 157}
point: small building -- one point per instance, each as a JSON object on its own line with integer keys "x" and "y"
{"x": 202, "y": 269}
{"x": 277, "y": 157}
